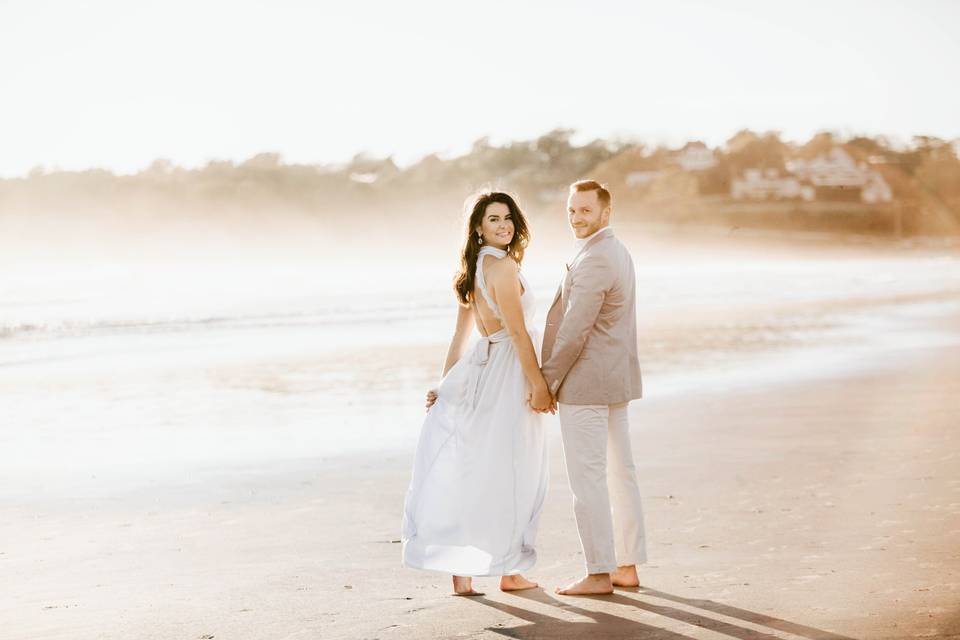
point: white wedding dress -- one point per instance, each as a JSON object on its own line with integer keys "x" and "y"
{"x": 480, "y": 471}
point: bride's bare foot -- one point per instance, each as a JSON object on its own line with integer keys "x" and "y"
{"x": 625, "y": 576}
{"x": 516, "y": 583}
{"x": 591, "y": 585}
{"x": 463, "y": 586}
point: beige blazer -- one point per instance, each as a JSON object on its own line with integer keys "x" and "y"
{"x": 589, "y": 350}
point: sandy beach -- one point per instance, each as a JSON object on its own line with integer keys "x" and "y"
{"x": 827, "y": 509}
{"x": 799, "y": 469}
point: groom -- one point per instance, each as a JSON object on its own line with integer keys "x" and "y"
{"x": 590, "y": 363}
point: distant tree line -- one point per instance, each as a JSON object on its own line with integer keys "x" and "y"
{"x": 265, "y": 182}
{"x": 538, "y": 170}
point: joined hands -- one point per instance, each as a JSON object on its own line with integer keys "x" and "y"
{"x": 541, "y": 400}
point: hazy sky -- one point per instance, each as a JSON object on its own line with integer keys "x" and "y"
{"x": 116, "y": 84}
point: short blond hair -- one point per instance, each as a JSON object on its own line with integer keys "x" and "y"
{"x": 603, "y": 194}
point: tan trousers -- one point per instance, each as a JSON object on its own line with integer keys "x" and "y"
{"x": 596, "y": 447}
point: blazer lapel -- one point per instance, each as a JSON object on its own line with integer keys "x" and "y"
{"x": 594, "y": 240}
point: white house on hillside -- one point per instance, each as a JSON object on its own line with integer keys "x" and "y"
{"x": 830, "y": 176}
{"x": 695, "y": 156}
{"x": 833, "y": 169}
{"x": 836, "y": 172}
{"x": 640, "y": 178}
{"x": 876, "y": 189}
{"x": 756, "y": 184}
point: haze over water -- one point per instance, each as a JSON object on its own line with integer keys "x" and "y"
{"x": 117, "y": 373}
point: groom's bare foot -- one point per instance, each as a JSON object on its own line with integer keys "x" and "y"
{"x": 463, "y": 586}
{"x": 625, "y": 576}
{"x": 595, "y": 584}
{"x": 516, "y": 583}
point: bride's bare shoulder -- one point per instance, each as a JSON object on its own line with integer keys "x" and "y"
{"x": 503, "y": 268}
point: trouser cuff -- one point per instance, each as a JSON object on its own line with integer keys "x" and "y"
{"x": 600, "y": 568}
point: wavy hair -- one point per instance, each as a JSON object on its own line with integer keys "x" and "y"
{"x": 463, "y": 281}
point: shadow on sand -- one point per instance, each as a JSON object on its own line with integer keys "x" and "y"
{"x": 600, "y": 624}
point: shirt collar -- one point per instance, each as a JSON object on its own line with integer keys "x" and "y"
{"x": 580, "y": 242}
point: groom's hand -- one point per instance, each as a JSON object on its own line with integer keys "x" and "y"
{"x": 541, "y": 401}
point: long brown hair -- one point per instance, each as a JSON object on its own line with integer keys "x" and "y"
{"x": 463, "y": 282}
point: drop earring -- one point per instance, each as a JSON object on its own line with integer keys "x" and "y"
{"x": 479, "y": 239}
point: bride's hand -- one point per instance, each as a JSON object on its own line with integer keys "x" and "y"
{"x": 431, "y": 398}
{"x": 540, "y": 399}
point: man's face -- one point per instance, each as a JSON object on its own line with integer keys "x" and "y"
{"x": 585, "y": 214}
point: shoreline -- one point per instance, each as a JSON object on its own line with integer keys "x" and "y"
{"x": 299, "y": 396}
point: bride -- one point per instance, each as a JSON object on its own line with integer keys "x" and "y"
{"x": 480, "y": 470}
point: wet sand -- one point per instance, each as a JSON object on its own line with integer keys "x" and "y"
{"x": 826, "y": 507}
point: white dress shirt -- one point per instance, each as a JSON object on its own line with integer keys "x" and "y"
{"x": 579, "y": 243}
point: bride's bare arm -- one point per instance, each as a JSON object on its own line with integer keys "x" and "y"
{"x": 460, "y": 337}
{"x": 505, "y": 289}
{"x": 455, "y": 351}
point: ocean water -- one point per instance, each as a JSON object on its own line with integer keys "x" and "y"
{"x": 114, "y": 375}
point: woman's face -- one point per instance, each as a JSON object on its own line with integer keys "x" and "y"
{"x": 496, "y": 226}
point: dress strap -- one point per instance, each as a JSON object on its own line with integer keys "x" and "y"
{"x": 481, "y": 281}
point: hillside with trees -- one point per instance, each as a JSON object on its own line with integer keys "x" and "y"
{"x": 692, "y": 184}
